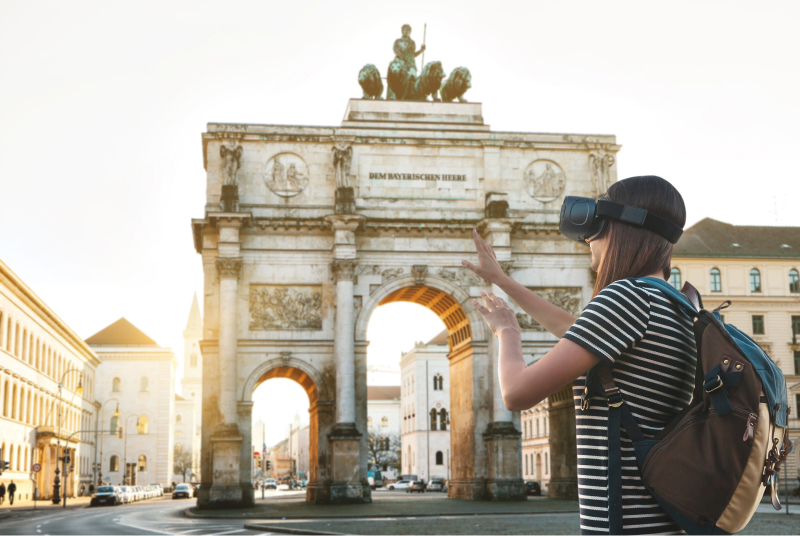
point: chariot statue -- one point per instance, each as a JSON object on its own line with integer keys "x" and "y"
{"x": 403, "y": 82}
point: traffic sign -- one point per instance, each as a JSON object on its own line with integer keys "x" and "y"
{"x": 256, "y": 455}
{"x": 108, "y": 479}
{"x": 36, "y": 468}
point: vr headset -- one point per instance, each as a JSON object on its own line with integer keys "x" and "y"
{"x": 583, "y": 218}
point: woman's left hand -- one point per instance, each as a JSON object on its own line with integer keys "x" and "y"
{"x": 498, "y": 315}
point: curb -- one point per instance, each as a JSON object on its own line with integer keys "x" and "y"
{"x": 193, "y": 515}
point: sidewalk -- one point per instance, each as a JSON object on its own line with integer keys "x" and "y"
{"x": 28, "y": 506}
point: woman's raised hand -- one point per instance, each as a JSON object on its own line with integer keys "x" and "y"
{"x": 498, "y": 315}
{"x": 488, "y": 268}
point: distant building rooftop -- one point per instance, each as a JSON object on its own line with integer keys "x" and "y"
{"x": 712, "y": 238}
{"x": 120, "y": 333}
{"x": 383, "y": 392}
{"x": 440, "y": 339}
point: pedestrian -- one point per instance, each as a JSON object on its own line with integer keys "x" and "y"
{"x": 2, "y": 493}
{"x": 91, "y": 488}
{"x": 82, "y": 491}
{"x": 12, "y": 489}
{"x": 629, "y": 325}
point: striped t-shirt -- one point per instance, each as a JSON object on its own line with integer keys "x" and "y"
{"x": 649, "y": 344}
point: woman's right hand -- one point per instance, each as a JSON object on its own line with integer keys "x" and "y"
{"x": 488, "y": 268}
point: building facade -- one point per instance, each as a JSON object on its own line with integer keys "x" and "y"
{"x": 187, "y": 425}
{"x": 186, "y": 441}
{"x": 536, "y": 444}
{"x": 38, "y": 351}
{"x": 425, "y": 405}
{"x": 136, "y": 392}
{"x": 383, "y": 425}
{"x": 757, "y": 268}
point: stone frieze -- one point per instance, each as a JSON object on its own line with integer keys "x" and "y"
{"x": 568, "y": 298}
{"x": 275, "y": 307}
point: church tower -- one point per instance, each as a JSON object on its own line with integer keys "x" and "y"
{"x": 192, "y": 382}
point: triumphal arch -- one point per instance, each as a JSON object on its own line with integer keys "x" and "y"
{"x": 307, "y": 230}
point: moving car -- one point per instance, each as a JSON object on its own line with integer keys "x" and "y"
{"x": 106, "y": 495}
{"x": 533, "y": 488}
{"x": 270, "y": 483}
{"x": 416, "y": 485}
{"x": 183, "y": 491}
{"x": 400, "y": 484}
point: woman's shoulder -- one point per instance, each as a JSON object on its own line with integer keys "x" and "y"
{"x": 628, "y": 289}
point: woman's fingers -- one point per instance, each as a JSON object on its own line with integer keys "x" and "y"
{"x": 481, "y": 309}
{"x": 468, "y": 265}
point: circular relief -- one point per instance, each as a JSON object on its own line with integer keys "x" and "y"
{"x": 286, "y": 174}
{"x": 438, "y": 404}
{"x": 545, "y": 180}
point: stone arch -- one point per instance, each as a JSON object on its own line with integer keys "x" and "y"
{"x": 321, "y": 421}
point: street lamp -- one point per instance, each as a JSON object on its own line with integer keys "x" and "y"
{"x": 57, "y": 480}
{"x": 125, "y": 451}
{"x": 101, "y": 427}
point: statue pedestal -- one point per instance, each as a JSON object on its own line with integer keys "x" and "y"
{"x": 226, "y": 491}
{"x": 229, "y": 201}
{"x": 345, "y": 201}
{"x": 503, "y": 447}
{"x": 347, "y": 486}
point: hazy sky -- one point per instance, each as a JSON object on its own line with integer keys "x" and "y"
{"x": 102, "y": 105}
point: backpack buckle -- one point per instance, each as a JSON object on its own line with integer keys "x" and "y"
{"x": 712, "y": 385}
{"x": 613, "y": 397}
{"x": 585, "y": 402}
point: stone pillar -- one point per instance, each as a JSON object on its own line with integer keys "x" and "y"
{"x": 245, "y": 418}
{"x": 563, "y": 447}
{"x": 344, "y": 343}
{"x": 503, "y": 440}
{"x": 226, "y": 491}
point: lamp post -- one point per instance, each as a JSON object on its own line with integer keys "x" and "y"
{"x": 102, "y": 429}
{"x": 57, "y": 480}
{"x": 125, "y": 450}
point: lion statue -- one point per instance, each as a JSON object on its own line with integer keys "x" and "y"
{"x": 370, "y": 80}
{"x": 429, "y": 81}
{"x": 400, "y": 81}
{"x": 459, "y": 81}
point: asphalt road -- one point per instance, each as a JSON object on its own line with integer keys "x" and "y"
{"x": 159, "y": 516}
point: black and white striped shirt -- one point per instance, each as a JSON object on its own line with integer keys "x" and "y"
{"x": 648, "y": 341}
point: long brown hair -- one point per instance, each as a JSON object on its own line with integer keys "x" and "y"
{"x": 632, "y": 251}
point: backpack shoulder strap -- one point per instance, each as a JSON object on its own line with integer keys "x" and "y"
{"x": 690, "y": 292}
{"x": 690, "y": 306}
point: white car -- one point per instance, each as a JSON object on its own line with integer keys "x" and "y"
{"x": 126, "y": 494}
{"x": 159, "y": 489}
{"x": 400, "y": 484}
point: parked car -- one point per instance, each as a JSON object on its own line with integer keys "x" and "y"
{"x": 195, "y": 489}
{"x": 159, "y": 489}
{"x": 400, "y": 484}
{"x": 533, "y": 488}
{"x": 126, "y": 495}
{"x": 183, "y": 490}
{"x": 270, "y": 483}
{"x": 436, "y": 484}
{"x": 416, "y": 485}
{"x": 444, "y": 488}
{"x": 106, "y": 495}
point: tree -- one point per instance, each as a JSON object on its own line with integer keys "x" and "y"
{"x": 383, "y": 448}
{"x": 182, "y": 462}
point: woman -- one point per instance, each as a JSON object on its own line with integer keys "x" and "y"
{"x": 629, "y": 325}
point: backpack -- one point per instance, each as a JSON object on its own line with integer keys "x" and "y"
{"x": 708, "y": 468}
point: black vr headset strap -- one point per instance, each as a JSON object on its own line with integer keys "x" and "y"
{"x": 640, "y": 217}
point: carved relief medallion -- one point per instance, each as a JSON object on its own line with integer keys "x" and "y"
{"x": 286, "y": 174}
{"x": 545, "y": 180}
{"x": 568, "y": 298}
{"x": 285, "y": 307}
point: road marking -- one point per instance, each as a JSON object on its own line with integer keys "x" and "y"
{"x": 232, "y": 531}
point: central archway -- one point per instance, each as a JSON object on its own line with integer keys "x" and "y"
{"x": 470, "y": 372}
{"x": 321, "y": 420}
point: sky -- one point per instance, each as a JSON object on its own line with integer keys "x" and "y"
{"x": 102, "y": 106}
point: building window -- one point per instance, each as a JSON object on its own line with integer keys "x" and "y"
{"x": 433, "y": 419}
{"x": 758, "y": 324}
{"x": 438, "y": 382}
{"x": 115, "y": 385}
{"x": 385, "y": 422}
{"x": 794, "y": 281}
{"x": 193, "y": 360}
{"x": 114, "y": 425}
{"x": 716, "y": 281}
{"x": 755, "y": 280}
{"x": 178, "y": 419}
{"x": 369, "y": 422}
{"x": 143, "y": 425}
{"x": 144, "y": 385}
{"x": 795, "y": 324}
{"x": 797, "y": 369}
{"x": 443, "y": 419}
{"x": 439, "y": 458}
{"x": 113, "y": 464}
{"x": 546, "y": 464}
{"x": 178, "y": 433}
{"x": 675, "y": 278}
{"x": 142, "y": 463}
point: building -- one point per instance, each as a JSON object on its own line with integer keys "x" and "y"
{"x": 188, "y": 406}
{"x": 297, "y": 437}
{"x": 535, "y": 430}
{"x": 280, "y": 461}
{"x": 383, "y": 425}
{"x": 37, "y": 351}
{"x": 757, "y": 268}
{"x": 136, "y": 392}
{"x": 425, "y": 406}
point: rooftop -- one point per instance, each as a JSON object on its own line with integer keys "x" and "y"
{"x": 712, "y": 238}
{"x": 439, "y": 340}
{"x": 383, "y": 392}
{"x": 120, "y": 333}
